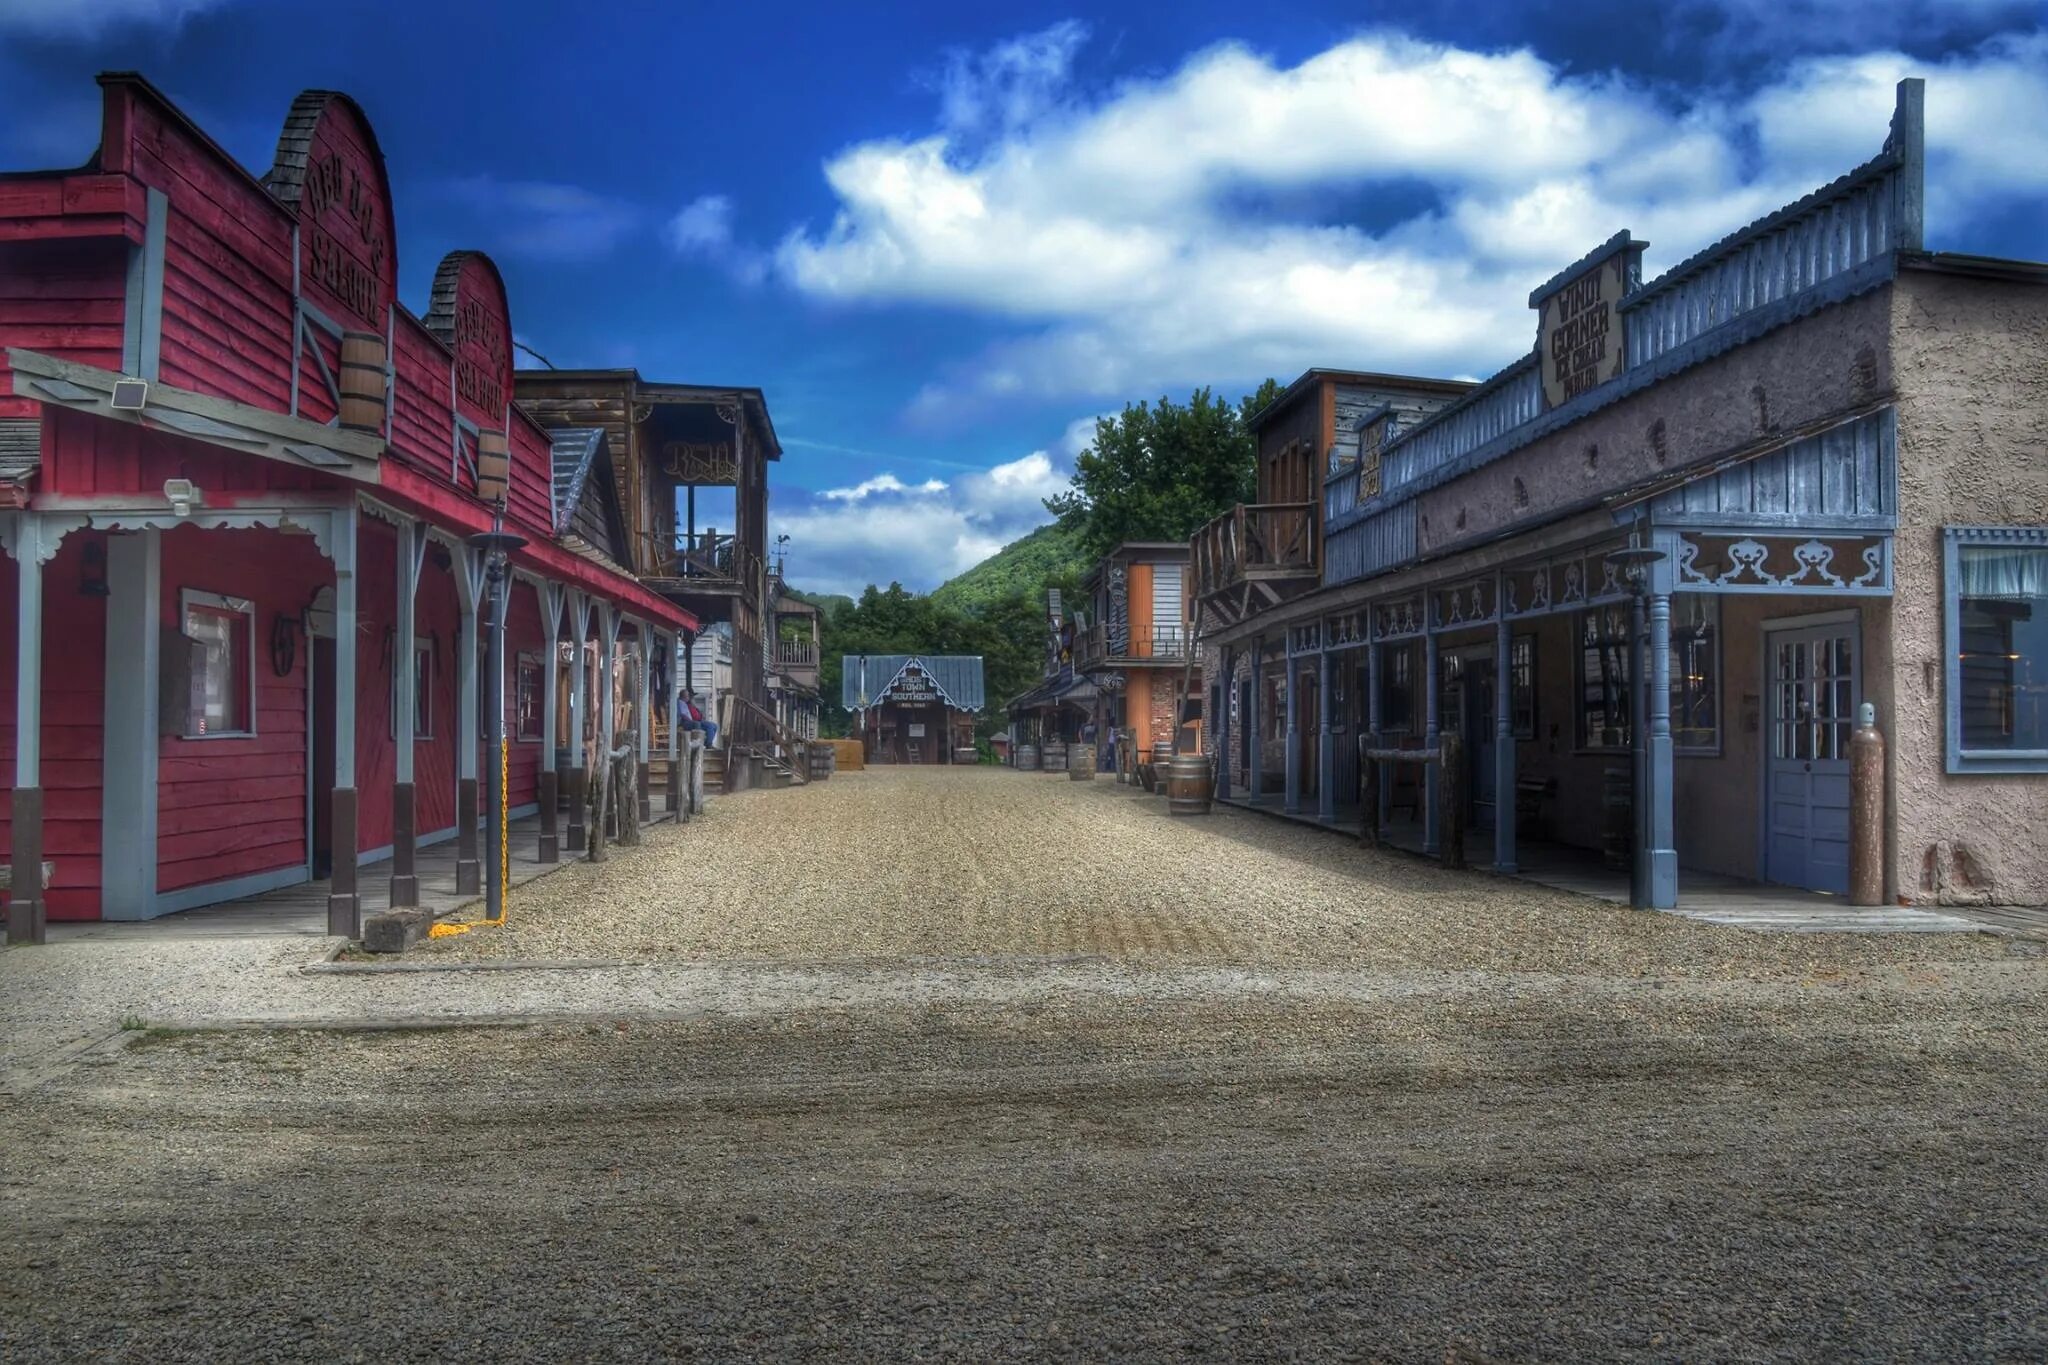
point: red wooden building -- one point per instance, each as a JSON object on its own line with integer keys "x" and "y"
{"x": 237, "y": 478}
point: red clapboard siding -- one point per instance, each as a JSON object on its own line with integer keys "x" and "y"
{"x": 376, "y": 609}
{"x": 74, "y": 654}
{"x": 423, "y": 427}
{"x": 522, "y": 636}
{"x": 439, "y": 614}
{"x": 231, "y": 807}
{"x": 91, "y": 455}
{"x": 227, "y": 326}
{"x": 530, "y": 500}
{"x": 65, "y": 299}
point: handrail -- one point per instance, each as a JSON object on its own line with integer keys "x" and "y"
{"x": 1164, "y": 642}
{"x": 754, "y": 724}
{"x": 798, "y": 653}
{"x": 1257, "y": 535}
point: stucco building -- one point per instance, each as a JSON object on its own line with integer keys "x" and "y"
{"x": 1650, "y": 571}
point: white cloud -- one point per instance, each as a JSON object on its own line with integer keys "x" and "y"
{"x": 921, "y": 534}
{"x": 1124, "y": 240}
{"x": 548, "y": 220}
{"x": 90, "y": 18}
{"x": 702, "y": 231}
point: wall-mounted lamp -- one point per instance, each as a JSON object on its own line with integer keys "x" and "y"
{"x": 183, "y": 495}
{"x": 1633, "y": 564}
{"x": 92, "y": 570}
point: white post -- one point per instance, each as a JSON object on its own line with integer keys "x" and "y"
{"x": 128, "y": 799}
{"x": 344, "y": 906}
{"x": 25, "y": 910}
{"x": 551, "y": 692}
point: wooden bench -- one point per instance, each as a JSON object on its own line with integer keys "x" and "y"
{"x": 7, "y": 875}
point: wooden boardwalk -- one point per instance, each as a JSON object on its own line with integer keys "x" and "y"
{"x": 301, "y": 910}
{"x": 1706, "y": 896}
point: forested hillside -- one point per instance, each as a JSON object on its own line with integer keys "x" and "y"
{"x": 1050, "y": 554}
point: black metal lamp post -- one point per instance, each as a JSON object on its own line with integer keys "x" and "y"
{"x": 496, "y": 546}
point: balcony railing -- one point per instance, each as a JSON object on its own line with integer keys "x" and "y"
{"x": 796, "y": 653}
{"x": 1159, "y": 644}
{"x": 1273, "y": 540}
{"x": 715, "y": 557}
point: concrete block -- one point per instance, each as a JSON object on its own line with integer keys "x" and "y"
{"x": 394, "y": 931}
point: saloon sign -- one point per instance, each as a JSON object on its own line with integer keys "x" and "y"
{"x": 468, "y": 313}
{"x": 329, "y": 168}
{"x": 912, "y": 688}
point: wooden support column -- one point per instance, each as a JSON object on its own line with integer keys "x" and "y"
{"x": 27, "y": 914}
{"x": 344, "y": 905}
{"x": 579, "y": 711}
{"x": 645, "y": 728}
{"x": 1290, "y": 797}
{"x": 1381, "y": 780}
{"x": 128, "y": 793}
{"x": 469, "y": 589}
{"x": 1258, "y": 734}
{"x": 1326, "y": 744}
{"x": 1432, "y": 779}
{"x": 608, "y": 623}
{"x": 411, "y": 554}
{"x": 1504, "y": 812}
{"x": 1224, "y": 730}
{"x": 551, "y": 691}
{"x": 1659, "y": 853}
{"x": 1639, "y": 753}
{"x": 678, "y": 653}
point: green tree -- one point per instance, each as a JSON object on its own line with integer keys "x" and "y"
{"x": 1161, "y": 471}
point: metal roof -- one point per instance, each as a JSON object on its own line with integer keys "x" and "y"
{"x": 864, "y": 677}
{"x": 573, "y": 450}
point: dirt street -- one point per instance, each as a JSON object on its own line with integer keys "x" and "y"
{"x": 1384, "y": 1114}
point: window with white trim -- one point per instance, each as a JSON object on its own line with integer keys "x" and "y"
{"x": 1605, "y": 661}
{"x": 422, "y": 690}
{"x": 220, "y": 634}
{"x": 1996, "y": 622}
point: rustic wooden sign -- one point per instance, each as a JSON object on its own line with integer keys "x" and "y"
{"x": 1580, "y": 336}
{"x": 1372, "y": 444}
{"x": 329, "y": 166}
{"x": 700, "y": 463}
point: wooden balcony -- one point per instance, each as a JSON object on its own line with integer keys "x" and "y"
{"x": 796, "y": 653}
{"x": 710, "y": 564}
{"x": 1163, "y": 645}
{"x": 1253, "y": 556}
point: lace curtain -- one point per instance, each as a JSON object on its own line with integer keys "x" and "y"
{"x": 2007, "y": 573}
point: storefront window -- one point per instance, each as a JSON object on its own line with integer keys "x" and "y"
{"x": 1522, "y": 686}
{"x": 1397, "y": 689}
{"x": 422, "y": 691}
{"x": 1997, "y": 617}
{"x": 219, "y": 634}
{"x": 1604, "y": 664}
{"x": 526, "y": 689}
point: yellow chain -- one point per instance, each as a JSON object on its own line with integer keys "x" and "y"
{"x": 447, "y": 930}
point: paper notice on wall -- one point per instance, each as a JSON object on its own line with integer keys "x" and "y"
{"x": 916, "y": 731}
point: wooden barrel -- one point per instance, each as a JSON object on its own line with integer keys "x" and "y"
{"x": 493, "y": 466}
{"x": 1617, "y": 815}
{"x": 1081, "y": 763}
{"x": 1188, "y": 784}
{"x": 1054, "y": 756}
{"x": 362, "y": 381}
{"x": 1027, "y": 758}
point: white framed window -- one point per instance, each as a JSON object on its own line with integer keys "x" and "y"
{"x": 526, "y": 698}
{"x": 422, "y": 690}
{"x": 220, "y": 637}
{"x": 1995, "y": 620}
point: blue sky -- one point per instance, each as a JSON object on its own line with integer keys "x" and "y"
{"x": 943, "y": 237}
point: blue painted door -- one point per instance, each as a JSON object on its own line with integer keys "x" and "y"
{"x": 1813, "y": 694}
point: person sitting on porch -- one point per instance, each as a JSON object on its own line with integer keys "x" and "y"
{"x": 690, "y": 716}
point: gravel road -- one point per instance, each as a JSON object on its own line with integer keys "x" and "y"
{"x": 975, "y": 1065}
{"x": 1843, "y": 1175}
{"x": 982, "y": 862}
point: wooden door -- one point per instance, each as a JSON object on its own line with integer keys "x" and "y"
{"x": 322, "y": 771}
{"x": 1813, "y": 683}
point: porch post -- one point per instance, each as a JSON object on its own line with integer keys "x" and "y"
{"x": 677, "y": 651}
{"x": 26, "y": 910}
{"x": 1258, "y": 729}
{"x": 410, "y": 555}
{"x": 1326, "y": 746}
{"x": 608, "y": 623}
{"x": 1432, "y": 833}
{"x": 1222, "y": 731}
{"x": 1660, "y": 877}
{"x": 1504, "y": 812}
{"x": 344, "y": 905}
{"x": 646, "y": 726}
{"x": 1374, "y": 674}
{"x": 469, "y": 572}
{"x": 579, "y": 711}
{"x": 128, "y": 796}
{"x": 551, "y": 691}
{"x": 1638, "y": 753}
{"x": 1291, "y": 767}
